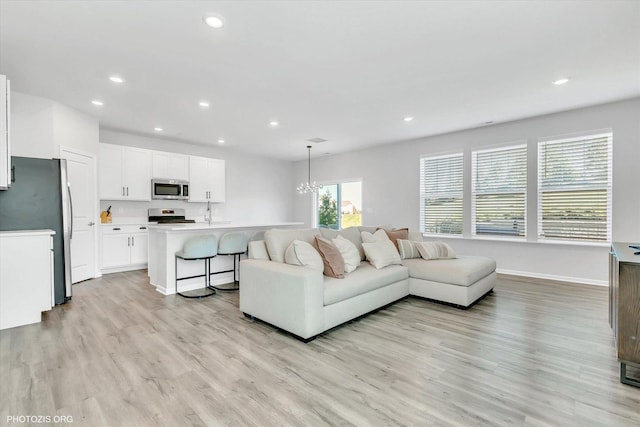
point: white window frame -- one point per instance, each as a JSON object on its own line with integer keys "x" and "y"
{"x": 316, "y": 201}
{"x": 608, "y": 186}
{"x": 497, "y": 191}
{"x": 424, "y": 195}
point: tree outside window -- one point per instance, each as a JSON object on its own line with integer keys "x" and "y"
{"x": 340, "y": 205}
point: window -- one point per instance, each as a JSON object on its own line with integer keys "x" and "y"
{"x": 441, "y": 186}
{"x": 574, "y": 188}
{"x": 499, "y": 191}
{"x": 340, "y": 205}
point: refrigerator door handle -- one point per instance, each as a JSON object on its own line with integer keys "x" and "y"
{"x": 70, "y": 211}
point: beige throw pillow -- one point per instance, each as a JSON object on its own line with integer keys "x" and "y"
{"x": 381, "y": 253}
{"x": 397, "y": 233}
{"x": 435, "y": 250}
{"x": 349, "y": 252}
{"x": 331, "y": 258}
{"x": 302, "y": 253}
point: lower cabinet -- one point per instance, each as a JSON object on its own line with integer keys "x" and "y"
{"x": 624, "y": 308}
{"x": 124, "y": 247}
{"x": 26, "y": 276}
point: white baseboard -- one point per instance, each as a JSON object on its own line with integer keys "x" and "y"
{"x": 579, "y": 280}
{"x": 222, "y": 279}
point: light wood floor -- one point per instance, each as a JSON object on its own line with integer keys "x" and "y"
{"x": 121, "y": 354}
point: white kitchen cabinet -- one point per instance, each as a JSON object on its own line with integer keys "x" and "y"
{"x": 5, "y": 134}
{"x": 170, "y": 166}
{"x": 124, "y": 247}
{"x": 125, "y": 173}
{"x": 206, "y": 180}
{"x": 26, "y": 276}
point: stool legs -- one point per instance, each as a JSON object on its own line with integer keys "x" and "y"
{"x": 236, "y": 281}
{"x": 207, "y": 279}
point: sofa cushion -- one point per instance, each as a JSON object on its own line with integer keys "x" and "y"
{"x": 302, "y": 253}
{"x": 366, "y": 278}
{"x": 278, "y": 240}
{"x": 349, "y": 253}
{"x": 350, "y": 233}
{"x": 462, "y": 271}
{"x": 331, "y": 257}
{"x": 377, "y": 236}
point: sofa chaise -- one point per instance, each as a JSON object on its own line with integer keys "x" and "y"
{"x": 305, "y": 303}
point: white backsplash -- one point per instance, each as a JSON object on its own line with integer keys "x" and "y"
{"x": 125, "y": 211}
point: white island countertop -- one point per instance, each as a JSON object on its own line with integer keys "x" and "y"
{"x": 167, "y": 239}
{"x": 219, "y": 225}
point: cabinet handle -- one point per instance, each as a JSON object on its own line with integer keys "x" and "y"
{"x": 133, "y": 241}
{"x": 127, "y": 191}
{"x": 123, "y": 191}
{"x": 143, "y": 228}
{"x": 117, "y": 228}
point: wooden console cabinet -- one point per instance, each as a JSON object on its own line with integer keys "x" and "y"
{"x": 624, "y": 306}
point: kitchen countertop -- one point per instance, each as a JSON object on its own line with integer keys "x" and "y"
{"x": 218, "y": 225}
{"x": 18, "y": 233}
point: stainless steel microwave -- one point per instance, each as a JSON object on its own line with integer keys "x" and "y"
{"x": 169, "y": 189}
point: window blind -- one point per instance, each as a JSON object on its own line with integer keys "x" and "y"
{"x": 574, "y": 188}
{"x": 499, "y": 191}
{"x": 441, "y": 186}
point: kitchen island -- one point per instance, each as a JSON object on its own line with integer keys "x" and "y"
{"x": 167, "y": 239}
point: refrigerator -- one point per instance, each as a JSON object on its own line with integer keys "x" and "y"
{"x": 40, "y": 198}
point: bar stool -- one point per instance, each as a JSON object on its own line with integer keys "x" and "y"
{"x": 234, "y": 244}
{"x": 196, "y": 248}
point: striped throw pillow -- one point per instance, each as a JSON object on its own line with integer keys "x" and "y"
{"x": 407, "y": 249}
{"x": 435, "y": 250}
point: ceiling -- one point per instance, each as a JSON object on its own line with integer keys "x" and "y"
{"x": 348, "y": 72}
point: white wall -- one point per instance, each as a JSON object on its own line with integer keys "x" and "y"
{"x": 258, "y": 188}
{"x": 39, "y": 126}
{"x": 390, "y": 182}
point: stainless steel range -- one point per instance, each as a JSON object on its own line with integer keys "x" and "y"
{"x": 168, "y": 216}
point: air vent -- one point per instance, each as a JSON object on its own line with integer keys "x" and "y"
{"x": 317, "y": 140}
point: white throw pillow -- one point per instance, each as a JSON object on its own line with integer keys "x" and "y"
{"x": 379, "y": 235}
{"x": 349, "y": 253}
{"x": 381, "y": 253}
{"x": 302, "y": 253}
{"x": 435, "y": 250}
{"x": 408, "y": 249}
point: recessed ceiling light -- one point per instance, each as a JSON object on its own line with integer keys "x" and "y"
{"x": 98, "y": 103}
{"x": 560, "y": 81}
{"x": 213, "y": 21}
{"x": 408, "y": 119}
{"x": 116, "y": 79}
{"x": 221, "y": 141}
{"x": 204, "y": 104}
{"x": 158, "y": 129}
{"x": 273, "y": 123}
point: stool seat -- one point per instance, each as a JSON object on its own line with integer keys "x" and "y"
{"x": 198, "y": 248}
{"x": 233, "y": 243}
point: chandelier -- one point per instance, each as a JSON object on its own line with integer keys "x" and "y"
{"x": 308, "y": 187}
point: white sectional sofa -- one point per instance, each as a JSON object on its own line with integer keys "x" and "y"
{"x": 305, "y": 302}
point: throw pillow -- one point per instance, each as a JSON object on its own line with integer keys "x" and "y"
{"x": 396, "y": 233}
{"x": 302, "y": 253}
{"x": 408, "y": 249}
{"x": 435, "y": 250}
{"x": 349, "y": 252}
{"x": 331, "y": 258}
{"x": 375, "y": 237}
{"x": 381, "y": 253}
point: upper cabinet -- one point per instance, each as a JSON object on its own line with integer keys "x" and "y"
{"x": 5, "y": 147}
{"x": 125, "y": 173}
{"x": 206, "y": 180}
{"x": 170, "y": 166}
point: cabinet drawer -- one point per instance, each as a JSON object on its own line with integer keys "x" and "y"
{"x": 123, "y": 229}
